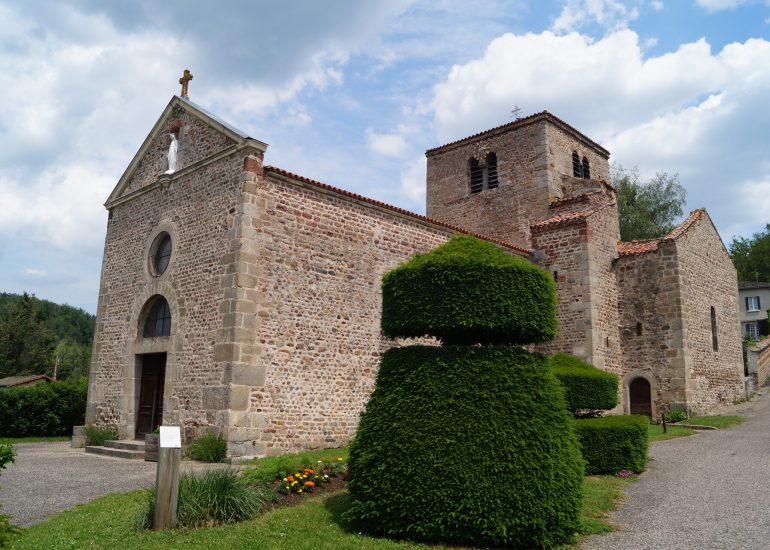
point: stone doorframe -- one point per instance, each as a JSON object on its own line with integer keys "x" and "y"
{"x": 626, "y": 384}
{"x": 137, "y": 345}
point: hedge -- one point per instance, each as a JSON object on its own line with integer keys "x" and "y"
{"x": 468, "y": 291}
{"x": 43, "y": 409}
{"x": 585, "y": 386}
{"x": 466, "y": 445}
{"x": 613, "y": 443}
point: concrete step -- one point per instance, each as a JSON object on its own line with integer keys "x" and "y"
{"x": 116, "y": 453}
{"x": 127, "y": 444}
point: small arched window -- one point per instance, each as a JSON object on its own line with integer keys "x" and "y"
{"x": 477, "y": 175}
{"x": 158, "y": 320}
{"x": 586, "y": 169}
{"x": 491, "y": 171}
{"x": 577, "y": 168}
{"x": 714, "y": 341}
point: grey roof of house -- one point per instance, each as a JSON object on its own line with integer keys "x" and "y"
{"x": 10, "y": 381}
{"x": 746, "y": 285}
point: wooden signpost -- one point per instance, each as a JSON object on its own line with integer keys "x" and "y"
{"x": 167, "y": 480}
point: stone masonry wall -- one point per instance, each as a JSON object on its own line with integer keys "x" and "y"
{"x": 562, "y": 249}
{"x": 197, "y": 140}
{"x": 560, "y": 148}
{"x": 709, "y": 279}
{"x": 650, "y": 324}
{"x": 507, "y": 211}
{"x": 197, "y": 210}
{"x": 319, "y": 269}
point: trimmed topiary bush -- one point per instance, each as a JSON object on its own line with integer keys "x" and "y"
{"x": 468, "y": 291}
{"x": 585, "y": 386}
{"x": 613, "y": 443}
{"x": 467, "y": 445}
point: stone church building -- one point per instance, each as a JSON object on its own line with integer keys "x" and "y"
{"x": 242, "y": 298}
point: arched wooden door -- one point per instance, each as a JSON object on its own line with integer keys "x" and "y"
{"x": 640, "y": 397}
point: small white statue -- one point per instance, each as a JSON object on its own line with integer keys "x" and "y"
{"x": 172, "y": 154}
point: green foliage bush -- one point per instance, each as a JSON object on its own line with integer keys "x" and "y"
{"x": 211, "y": 498}
{"x": 585, "y": 386}
{"x": 208, "y": 447}
{"x": 676, "y": 415}
{"x": 7, "y": 454}
{"x": 43, "y": 409}
{"x": 613, "y": 443}
{"x": 466, "y": 444}
{"x": 468, "y": 291}
{"x": 97, "y": 435}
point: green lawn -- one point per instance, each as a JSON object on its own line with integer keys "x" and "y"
{"x": 35, "y": 439}
{"x": 717, "y": 421}
{"x": 656, "y": 432}
{"x": 108, "y": 522}
{"x": 267, "y": 469}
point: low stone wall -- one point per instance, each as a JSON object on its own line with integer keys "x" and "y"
{"x": 759, "y": 362}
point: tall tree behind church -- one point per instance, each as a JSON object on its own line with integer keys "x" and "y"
{"x": 647, "y": 210}
{"x": 751, "y": 256}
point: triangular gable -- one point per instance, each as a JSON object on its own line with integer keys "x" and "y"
{"x": 150, "y": 160}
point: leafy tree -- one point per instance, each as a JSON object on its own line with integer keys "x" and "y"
{"x": 26, "y": 345}
{"x": 647, "y": 209}
{"x": 751, "y": 256}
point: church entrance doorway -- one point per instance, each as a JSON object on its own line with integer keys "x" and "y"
{"x": 640, "y": 397}
{"x": 153, "y": 375}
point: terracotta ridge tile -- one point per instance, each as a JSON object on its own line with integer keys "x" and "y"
{"x": 562, "y": 219}
{"x": 387, "y": 206}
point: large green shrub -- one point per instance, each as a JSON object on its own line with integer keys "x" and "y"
{"x": 43, "y": 409}
{"x": 467, "y": 445}
{"x": 585, "y": 386}
{"x": 468, "y": 291}
{"x": 613, "y": 443}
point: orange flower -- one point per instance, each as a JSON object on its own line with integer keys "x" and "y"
{"x": 290, "y": 478}
{"x": 308, "y": 471}
{"x": 309, "y": 484}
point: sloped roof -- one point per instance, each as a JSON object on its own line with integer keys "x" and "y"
{"x": 215, "y": 122}
{"x": 537, "y": 117}
{"x": 10, "y": 381}
{"x": 633, "y": 248}
{"x": 361, "y": 198}
{"x": 747, "y": 285}
{"x": 562, "y": 219}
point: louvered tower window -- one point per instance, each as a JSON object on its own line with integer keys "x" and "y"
{"x": 586, "y": 169}
{"x": 491, "y": 171}
{"x": 577, "y": 168}
{"x": 477, "y": 176}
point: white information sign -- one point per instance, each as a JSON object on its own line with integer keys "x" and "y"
{"x": 170, "y": 437}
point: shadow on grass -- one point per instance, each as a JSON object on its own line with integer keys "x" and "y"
{"x": 337, "y": 505}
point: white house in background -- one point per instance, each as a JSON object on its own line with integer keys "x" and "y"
{"x": 753, "y": 305}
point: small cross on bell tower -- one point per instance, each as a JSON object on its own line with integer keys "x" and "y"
{"x": 186, "y": 78}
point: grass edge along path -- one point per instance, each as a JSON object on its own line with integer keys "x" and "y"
{"x": 109, "y": 522}
{"x": 36, "y": 439}
{"x": 719, "y": 421}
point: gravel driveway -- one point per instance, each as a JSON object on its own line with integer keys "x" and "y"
{"x": 708, "y": 491}
{"x": 50, "y": 477}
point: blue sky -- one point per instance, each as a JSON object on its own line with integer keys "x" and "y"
{"x": 352, "y": 93}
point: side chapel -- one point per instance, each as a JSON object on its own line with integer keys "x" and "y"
{"x": 241, "y": 298}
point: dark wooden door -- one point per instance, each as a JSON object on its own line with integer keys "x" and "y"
{"x": 640, "y": 397}
{"x": 150, "y": 414}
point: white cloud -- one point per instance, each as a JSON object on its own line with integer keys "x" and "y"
{"x": 413, "y": 181}
{"x": 610, "y": 14}
{"x": 36, "y": 272}
{"x": 720, "y": 5}
{"x": 657, "y": 5}
{"x": 691, "y": 111}
{"x": 391, "y": 145}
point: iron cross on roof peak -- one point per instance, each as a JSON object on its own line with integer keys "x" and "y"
{"x": 515, "y": 112}
{"x": 186, "y": 78}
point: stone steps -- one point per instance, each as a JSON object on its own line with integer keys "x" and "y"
{"x": 133, "y": 450}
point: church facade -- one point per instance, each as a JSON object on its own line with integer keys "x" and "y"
{"x": 240, "y": 298}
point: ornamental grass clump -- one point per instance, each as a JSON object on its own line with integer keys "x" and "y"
{"x": 208, "y": 447}
{"x": 211, "y": 498}
{"x": 486, "y": 418}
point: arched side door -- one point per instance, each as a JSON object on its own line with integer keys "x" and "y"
{"x": 640, "y": 397}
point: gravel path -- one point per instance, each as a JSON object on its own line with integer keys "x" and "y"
{"x": 708, "y": 491}
{"x": 50, "y": 477}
